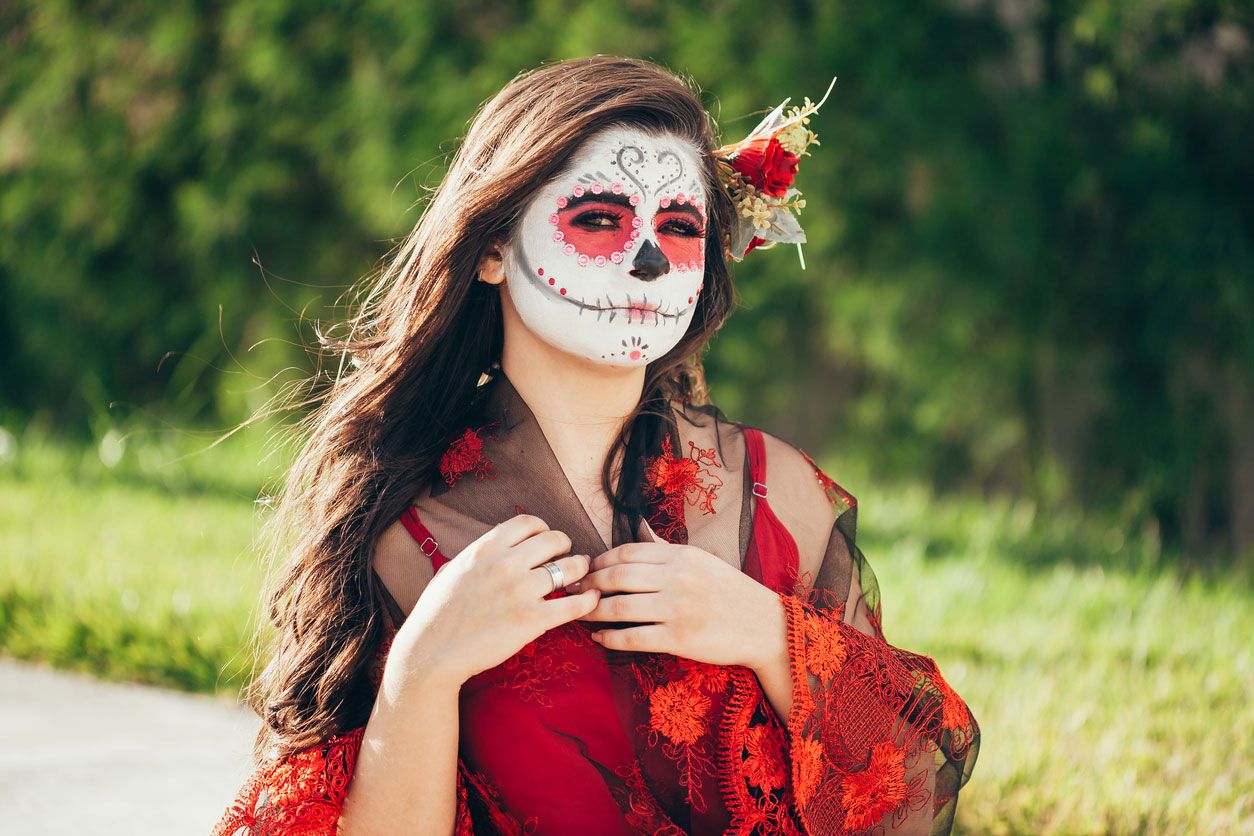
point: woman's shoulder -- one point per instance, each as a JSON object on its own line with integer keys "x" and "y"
{"x": 401, "y": 564}
{"x": 798, "y": 490}
{"x": 786, "y": 461}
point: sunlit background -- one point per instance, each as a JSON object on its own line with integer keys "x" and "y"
{"x": 1024, "y": 336}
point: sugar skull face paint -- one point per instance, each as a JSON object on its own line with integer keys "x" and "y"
{"x": 608, "y": 259}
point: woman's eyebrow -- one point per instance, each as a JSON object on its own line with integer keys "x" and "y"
{"x": 603, "y": 197}
{"x": 686, "y": 208}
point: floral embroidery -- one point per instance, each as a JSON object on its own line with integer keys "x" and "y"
{"x": 869, "y": 794}
{"x": 670, "y": 481}
{"x": 850, "y": 694}
{"x": 713, "y": 679}
{"x": 641, "y": 811}
{"x": 677, "y": 710}
{"x": 301, "y": 793}
{"x": 477, "y": 792}
{"x": 297, "y": 778}
{"x": 916, "y": 799}
{"x": 803, "y": 587}
{"x": 808, "y": 759}
{"x": 540, "y": 661}
{"x": 465, "y": 455}
{"x": 764, "y": 766}
{"x": 752, "y": 747}
{"x": 825, "y": 648}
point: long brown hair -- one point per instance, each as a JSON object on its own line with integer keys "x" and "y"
{"x": 410, "y": 357}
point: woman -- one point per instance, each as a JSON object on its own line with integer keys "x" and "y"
{"x": 534, "y": 582}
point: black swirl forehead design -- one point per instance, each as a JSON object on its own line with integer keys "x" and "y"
{"x": 636, "y": 164}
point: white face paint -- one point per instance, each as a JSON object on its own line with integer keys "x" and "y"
{"x": 609, "y": 257}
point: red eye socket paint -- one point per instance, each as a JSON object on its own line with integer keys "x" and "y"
{"x": 680, "y": 234}
{"x": 595, "y": 228}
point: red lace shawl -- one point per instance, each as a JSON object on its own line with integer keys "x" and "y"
{"x": 567, "y": 737}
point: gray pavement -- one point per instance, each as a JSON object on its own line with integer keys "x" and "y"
{"x": 84, "y": 757}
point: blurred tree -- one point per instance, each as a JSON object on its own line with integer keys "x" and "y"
{"x": 1030, "y": 252}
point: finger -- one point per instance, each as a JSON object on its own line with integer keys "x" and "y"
{"x": 516, "y": 529}
{"x": 632, "y": 553}
{"x": 640, "y": 606}
{"x": 573, "y": 566}
{"x": 541, "y": 548}
{"x": 558, "y": 611}
{"x": 625, "y": 577}
{"x": 647, "y": 638}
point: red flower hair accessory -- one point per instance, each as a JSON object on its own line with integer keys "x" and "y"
{"x": 758, "y": 173}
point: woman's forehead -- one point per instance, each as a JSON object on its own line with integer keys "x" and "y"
{"x": 642, "y": 162}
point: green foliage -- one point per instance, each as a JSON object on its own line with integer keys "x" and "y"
{"x": 1030, "y": 255}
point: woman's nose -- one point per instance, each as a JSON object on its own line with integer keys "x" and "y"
{"x": 650, "y": 262}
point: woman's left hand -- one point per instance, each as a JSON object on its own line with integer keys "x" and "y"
{"x": 687, "y": 602}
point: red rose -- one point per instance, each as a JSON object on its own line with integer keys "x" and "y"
{"x": 754, "y": 243}
{"x": 766, "y": 165}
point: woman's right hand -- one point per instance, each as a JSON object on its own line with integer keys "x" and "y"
{"x": 483, "y": 606}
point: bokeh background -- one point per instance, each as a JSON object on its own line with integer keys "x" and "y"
{"x": 1024, "y": 337}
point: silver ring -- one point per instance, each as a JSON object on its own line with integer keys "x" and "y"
{"x": 555, "y": 572}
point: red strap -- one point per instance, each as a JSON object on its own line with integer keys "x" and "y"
{"x": 772, "y": 550}
{"x": 422, "y": 536}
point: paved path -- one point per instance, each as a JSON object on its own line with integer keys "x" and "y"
{"x": 84, "y": 757}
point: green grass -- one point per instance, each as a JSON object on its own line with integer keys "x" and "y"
{"x": 1111, "y": 687}
{"x": 141, "y": 571}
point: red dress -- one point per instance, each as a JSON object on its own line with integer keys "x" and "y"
{"x": 567, "y": 737}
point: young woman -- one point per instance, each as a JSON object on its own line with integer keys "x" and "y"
{"x": 534, "y": 581}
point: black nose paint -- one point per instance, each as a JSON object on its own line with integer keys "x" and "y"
{"x": 650, "y": 262}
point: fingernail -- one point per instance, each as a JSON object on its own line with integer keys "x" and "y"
{"x": 574, "y": 587}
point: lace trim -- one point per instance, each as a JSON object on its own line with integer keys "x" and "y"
{"x": 299, "y": 795}
{"x": 754, "y": 774}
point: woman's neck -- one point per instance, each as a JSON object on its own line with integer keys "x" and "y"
{"x": 580, "y": 407}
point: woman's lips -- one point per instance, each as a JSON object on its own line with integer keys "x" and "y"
{"x": 637, "y": 310}
{"x": 640, "y": 310}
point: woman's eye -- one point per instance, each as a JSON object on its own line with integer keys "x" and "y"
{"x": 686, "y": 229}
{"x": 598, "y": 219}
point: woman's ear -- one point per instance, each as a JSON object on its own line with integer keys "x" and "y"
{"x": 492, "y": 265}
